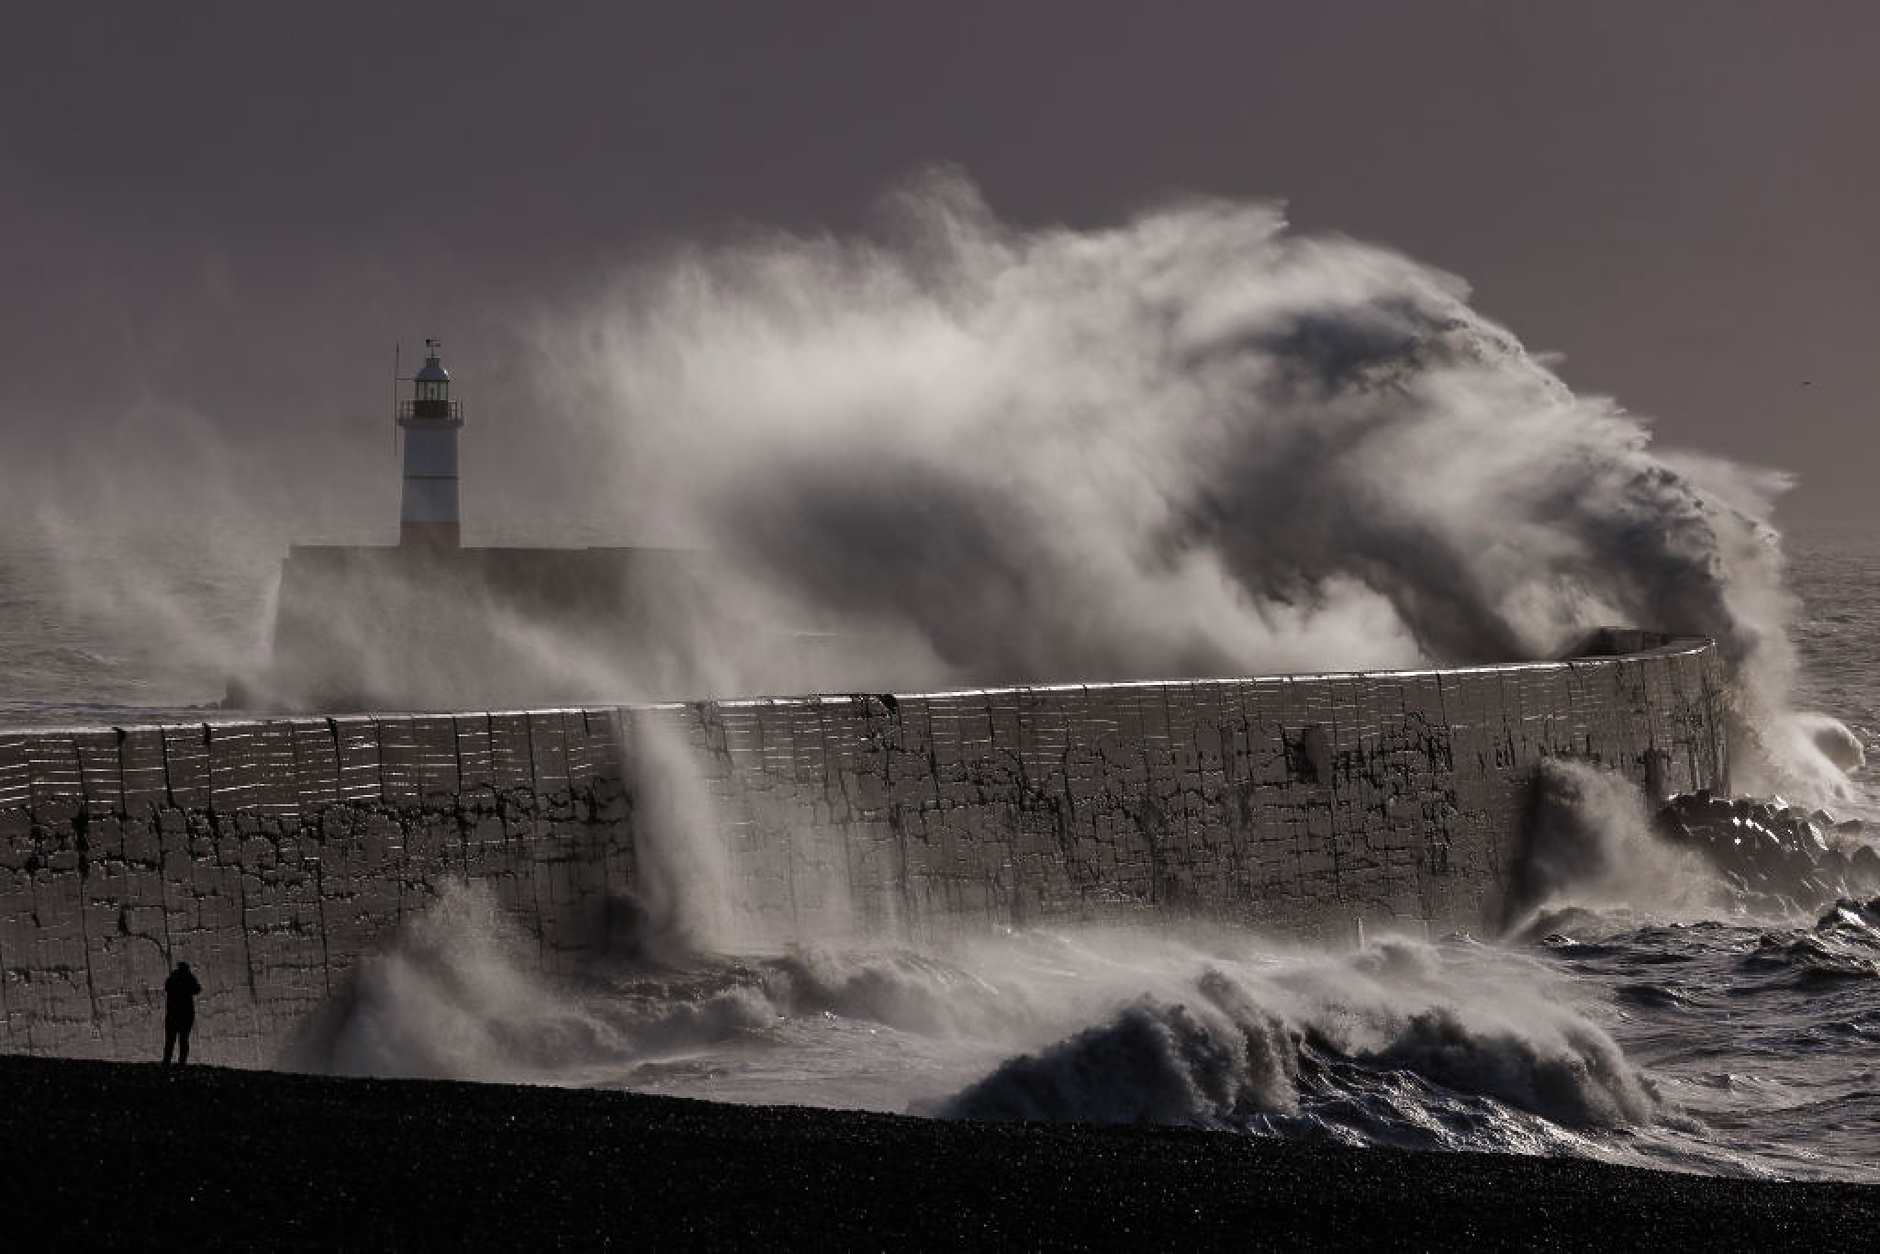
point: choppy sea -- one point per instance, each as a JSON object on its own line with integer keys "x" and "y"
{"x": 1700, "y": 1031}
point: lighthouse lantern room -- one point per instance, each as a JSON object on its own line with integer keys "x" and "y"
{"x": 428, "y": 518}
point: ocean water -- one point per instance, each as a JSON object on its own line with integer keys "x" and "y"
{"x": 1675, "y": 1023}
{"x": 111, "y": 628}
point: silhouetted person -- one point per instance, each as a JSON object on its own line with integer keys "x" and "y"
{"x": 179, "y": 1012}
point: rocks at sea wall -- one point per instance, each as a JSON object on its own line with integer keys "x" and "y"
{"x": 273, "y": 855}
{"x": 1775, "y": 857}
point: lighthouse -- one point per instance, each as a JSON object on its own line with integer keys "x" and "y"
{"x": 428, "y": 518}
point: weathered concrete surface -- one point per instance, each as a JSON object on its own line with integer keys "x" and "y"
{"x": 273, "y": 855}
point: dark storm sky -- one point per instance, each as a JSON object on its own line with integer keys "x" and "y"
{"x": 219, "y": 217}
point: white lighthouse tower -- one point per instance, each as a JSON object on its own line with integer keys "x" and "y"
{"x": 428, "y": 518}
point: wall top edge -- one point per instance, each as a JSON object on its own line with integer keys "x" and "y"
{"x": 1670, "y": 646}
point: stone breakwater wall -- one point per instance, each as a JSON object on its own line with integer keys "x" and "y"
{"x": 274, "y": 855}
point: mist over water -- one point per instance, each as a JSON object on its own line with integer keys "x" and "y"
{"x": 112, "y": 626}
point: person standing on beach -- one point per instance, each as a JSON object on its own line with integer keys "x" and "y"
{"x": 179, "y": 1013}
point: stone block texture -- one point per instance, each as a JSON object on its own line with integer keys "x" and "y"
{"x": 272, "y": 856}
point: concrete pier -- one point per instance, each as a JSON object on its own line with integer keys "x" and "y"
{"x": 273, "y": 855}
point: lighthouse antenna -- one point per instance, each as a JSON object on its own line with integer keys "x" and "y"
{"x": 395, "y": 350}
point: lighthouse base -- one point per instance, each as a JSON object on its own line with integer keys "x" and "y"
{"x": 431, "y": 626}
{"x": 430, "y": 535}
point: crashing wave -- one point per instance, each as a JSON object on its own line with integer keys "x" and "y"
{"x": 1098, "y": 435}
{"x": 1595, "y": 844}
{"x": 1399, "y": 1048}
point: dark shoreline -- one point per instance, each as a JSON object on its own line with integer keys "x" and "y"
{"x": 137, "y": 1156}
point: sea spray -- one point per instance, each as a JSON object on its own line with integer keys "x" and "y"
{"x": 691, "y": 896}
{"x": 682, "y": 881}
{"x": 1194, "y": 443}
{"x": 1591, "y": 844}
{"x": 456, "y": 995}
{"x": 1404, "y": 1042}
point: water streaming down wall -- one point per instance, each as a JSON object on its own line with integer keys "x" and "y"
{"x": 273, "y": 855}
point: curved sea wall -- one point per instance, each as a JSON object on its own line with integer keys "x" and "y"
{"x": 274, "y": 855}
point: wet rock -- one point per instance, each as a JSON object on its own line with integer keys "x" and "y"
{"x": 1864, "y": 867}
{"x": 1768, "y": 851}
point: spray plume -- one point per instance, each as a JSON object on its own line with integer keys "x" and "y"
{"x": 1196, "y": 443}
